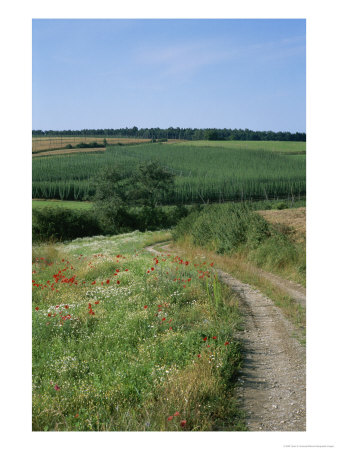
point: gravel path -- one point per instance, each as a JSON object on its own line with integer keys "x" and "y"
{"x": 272, "y": 384}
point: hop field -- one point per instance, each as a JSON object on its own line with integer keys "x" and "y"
{"x": 124, "y": 341}
{"x": 204, "y": 172}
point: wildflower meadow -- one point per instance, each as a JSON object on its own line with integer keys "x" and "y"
{"x": 124, "y": 340}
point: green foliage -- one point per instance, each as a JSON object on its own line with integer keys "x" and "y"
{"x": 63, "y": 224}
{"x": 116, "y": 193}
{"x": 151, "y": 183}
{"x": 232, "y": 228}
{"x": 93, "y": 144}
{"x": 224, "y": 228}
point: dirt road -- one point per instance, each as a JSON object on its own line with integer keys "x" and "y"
{"x": 272, "y": 384}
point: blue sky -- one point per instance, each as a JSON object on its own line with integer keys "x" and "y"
{"x": 160, "y": 73}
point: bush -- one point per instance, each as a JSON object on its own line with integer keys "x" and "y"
{"x": 232, "y": 227}
{"x": 90, "y": 145}
{"x": 224, "y": 228}
{"x": 281, "y": 205}
{"x": 63, "y": 224}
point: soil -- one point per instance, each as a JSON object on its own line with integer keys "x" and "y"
{"x": 272, "y": 381}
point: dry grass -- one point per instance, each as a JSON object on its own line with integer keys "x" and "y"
{"x": 68, "y": 151}
{"x": 294, "y": 219}
{"x": 50, "y": 143}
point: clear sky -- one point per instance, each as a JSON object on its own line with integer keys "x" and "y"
{"x": 204, "y": 73}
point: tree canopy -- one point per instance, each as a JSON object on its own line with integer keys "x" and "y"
{"x": 179, "y": 133}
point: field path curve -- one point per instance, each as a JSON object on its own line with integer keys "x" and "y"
{"x": 272, "y": 382}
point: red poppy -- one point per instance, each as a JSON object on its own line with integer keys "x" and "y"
{"x": 176, "y": 413}
{"x": 118, "y": 282}
{"x": 97, "y": 302}
{"x": 66, "y": 306}
{"x": 152, "y": 268}
{"x": 163, "y": 319}
{"x": 198, "y": 356}
{"x": 183, "y": 423}
{"x": 204, "y": 339}
{"x": 214, "y": 337}
{"x": 108, "y": 281}
{"x": 94, "y": 282}
{"x": 37, "y": 308}
{"x": 226, "y": 343}
{"x": 170, "y": 418}
{"x": 76, "y": 416}
{"x": 145, "y": 306}
{"x": 56, "y": 387}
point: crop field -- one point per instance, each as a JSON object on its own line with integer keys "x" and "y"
{"x": 270, "y": 146}
{"x": 125, "y": 341}
{"x": 57, "y": 142}
{"x": 204, "y": 173}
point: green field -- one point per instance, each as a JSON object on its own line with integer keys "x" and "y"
{"x": 270, "y": 146}
{"x": 206, "y": 171}
{"x": 125, "y": 341}
{"x": 36, "y": 204}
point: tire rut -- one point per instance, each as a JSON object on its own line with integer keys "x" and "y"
{"x": 272, "y": 381}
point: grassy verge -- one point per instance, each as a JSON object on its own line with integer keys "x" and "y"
{"x": 123, "y": 341}
{"x": 240, "y": 241}
{"x": 238, "y": 231}
{"x": 238, "y": 267}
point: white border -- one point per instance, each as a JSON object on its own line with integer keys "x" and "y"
{"x": 16, "y": 249}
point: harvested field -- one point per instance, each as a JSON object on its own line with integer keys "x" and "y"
{"x": 57, "y": 142}
{"x": 295, "y": 219}
{"x": 66, "y": 151}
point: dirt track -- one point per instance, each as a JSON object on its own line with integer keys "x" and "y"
{"x": 272, "y": 381}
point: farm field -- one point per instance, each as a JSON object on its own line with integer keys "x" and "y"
{"x": 270, "y": 146}
{"x": 57, "y": 142}
{"x": 204, "y": 172}
{"x": 125, "y": 341}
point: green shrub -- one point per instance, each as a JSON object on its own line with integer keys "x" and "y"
{"x": 63, "y": 224}
{"x": 235, "y": 227}
{"x": 281, "y": 205}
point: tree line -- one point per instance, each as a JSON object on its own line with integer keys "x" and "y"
{"x": 225, "y": 134}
